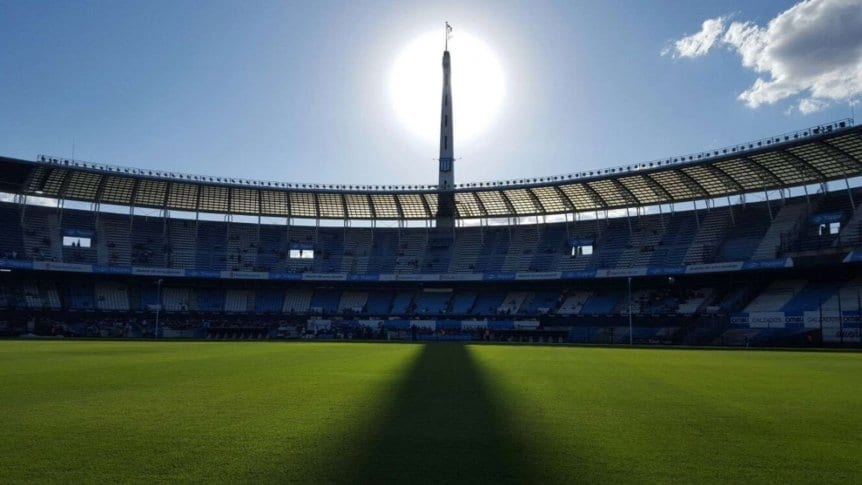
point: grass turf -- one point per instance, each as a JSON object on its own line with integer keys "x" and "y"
{"x": 346, "y": 412}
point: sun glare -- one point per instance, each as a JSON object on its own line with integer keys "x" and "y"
{"x": 415, "y": 84}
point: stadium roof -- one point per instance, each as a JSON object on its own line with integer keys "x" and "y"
{"x": 811, "y": 156}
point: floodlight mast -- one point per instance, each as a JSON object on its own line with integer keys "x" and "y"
{"x": 446, "y": 179}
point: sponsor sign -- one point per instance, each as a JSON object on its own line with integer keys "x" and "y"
{"x": 15, "y": 264}
{"x": 52, "y": 266}
{"x": 622, "y": 272}
{"x": 713, "y": 267}
{"x": 244, "y": 275}
{"x": 324, "y": 276}
{"x": 103, "y": 268}
{"x": 768, "y": 264}
{"x": 547, "y": 275}
{"x": 202, "y": 273}
{"x": 144, "y": 271}
{"x": 499, "y": 276}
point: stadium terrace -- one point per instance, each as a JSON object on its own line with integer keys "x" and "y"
{"x": 83, "y": 255}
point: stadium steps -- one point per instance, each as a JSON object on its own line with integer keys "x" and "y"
{"x": 210, "y": 299}
{"x": 178, "y": 299}
{"x": 242, "y": 244}
{"x": 379, "y": 302}
{"x": 112, "y": 241}
{"x": 239, "y": 301}
{"x": 698, "y": 300}
{"x": 550, "y": 248}
{"x": 330, "y": 249}
{"x": 272, "y": 252}
{"x": 811, "y": 296}
{"x": 573, "y": 303}
{"x": 402, "y": 302}
{"x": 465, "y": 251}
{"x": 642, "y": 244}
{"x": 851, "y": 233}
{"x": 357, "y": 243}
{"x": 432, "y": 301}
{"x": 112, "y": 296}
{"x": 708, "y": 238}
{"x": 182, "y": 235}
{"x": 495, "y": 245}
{"x": 488, "y": 302}
{"x": 412, "y": 246}
{"x": 41, "y": 233}
{"x": 849, "y": 294}
{"x": 522, "y": 248}
{"x": 32, "y": 296}
{"x": 353, "y": 301}
{"x": 462, "y": 302}
{"x": 541, "y": 303}
{"x": 610, "y": 245}
{"x": 744, "y": 236}
{"x": 785, "y": 226}
{"x": 297, "y": 301}
{"x": 11, "y": 237}
{"x": 601, "y": 303}
{"x": 775, "y": 296}
{"x": 148, "y": 241}
{"x": 511, "y": 305}
{"x": 268, "y": 301}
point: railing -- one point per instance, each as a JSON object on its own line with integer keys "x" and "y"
{"x": 694, "y": 157}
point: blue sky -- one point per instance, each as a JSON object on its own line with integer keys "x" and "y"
{"x": 297, "y": 91}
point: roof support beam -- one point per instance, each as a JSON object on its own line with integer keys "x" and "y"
{"x": 566, "y": 201}
{"x": 724, "y": 175}
{"x": 595, "y": 196}
{"x": 482, "y": 209}
{"x": 799, "y": 161}
{"x": 834, "y": 150}
{"x": 103, "y": 180}
{"x": 371, "y": 207}
{"x": 656, "y": 187}
{"x": 344, "y": 206}
{"x": 538, "y": 205}
{"x": 427, "y": 208}
{"x": 694, "y": 183}
{"x": 628, "y": 193}
{"x": 398, "y": 208}
{"x": 764, "y": 169}
{"x": 508, "y": 203}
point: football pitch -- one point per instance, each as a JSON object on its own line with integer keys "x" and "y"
{"x": 436, "y": 413}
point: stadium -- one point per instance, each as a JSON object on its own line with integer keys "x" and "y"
{"x": 667, "y": 269}
{"x": 600, "y": 326}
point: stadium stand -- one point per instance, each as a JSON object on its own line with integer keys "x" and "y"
{"x": 722, "y": 247}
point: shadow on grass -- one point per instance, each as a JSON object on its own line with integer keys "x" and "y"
{"x": 442, "y": 426}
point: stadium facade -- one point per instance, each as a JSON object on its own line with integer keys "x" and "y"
{"x": 753, "y": 244}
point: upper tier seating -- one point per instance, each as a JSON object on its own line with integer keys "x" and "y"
{"x": 717, "y": 234}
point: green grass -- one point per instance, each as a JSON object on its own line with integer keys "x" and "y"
{"x": 332, "y": 412}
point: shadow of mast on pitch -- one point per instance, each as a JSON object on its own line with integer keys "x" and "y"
{"x": 442, "y": 426}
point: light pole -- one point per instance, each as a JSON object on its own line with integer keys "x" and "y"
{"x": 631, "y": 337}
{"x": 158, "y": 305}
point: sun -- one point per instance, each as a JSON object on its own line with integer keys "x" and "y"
{"x": 416, "y": 77}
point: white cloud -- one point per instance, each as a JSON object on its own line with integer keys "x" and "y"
{"x": 698, "y": 44}
{"x": 812, "y": 105}
{"x": 812, "y": 51}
